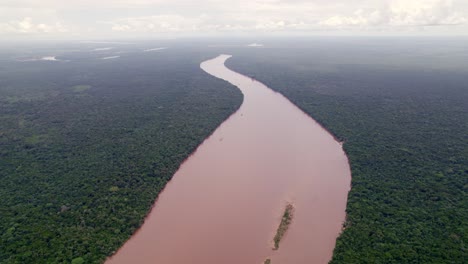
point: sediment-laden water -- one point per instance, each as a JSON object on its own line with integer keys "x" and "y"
{"x": 226, "y": 201}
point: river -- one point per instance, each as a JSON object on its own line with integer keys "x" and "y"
{"x": 225, "y": 202}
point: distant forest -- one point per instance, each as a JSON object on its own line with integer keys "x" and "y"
{"x": 401, "y": 109}
{"x": 87, "y": 145}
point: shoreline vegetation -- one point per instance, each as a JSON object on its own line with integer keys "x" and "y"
{"x": 284, "y": 225}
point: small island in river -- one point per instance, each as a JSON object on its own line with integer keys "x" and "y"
{"x": 284, "y": 225}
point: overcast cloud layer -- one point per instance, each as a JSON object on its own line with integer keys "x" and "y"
{"x": 167, "y": 18}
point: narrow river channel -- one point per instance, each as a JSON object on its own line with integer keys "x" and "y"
{"x": 225, "y": 202}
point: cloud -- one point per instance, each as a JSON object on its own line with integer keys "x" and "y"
{"x": 340, "y": 21}
{"x": 203, "y": 23}
{"x": 138, "y": 18}
{"x": 160, "y": 23}
{"x": 425, "y": 12}
{"x": 400, "y": 13}
{"x": 27, "y": 26}
{"x": 172, "y": 24}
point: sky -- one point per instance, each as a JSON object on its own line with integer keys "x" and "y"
{"x": 101, "y": 19}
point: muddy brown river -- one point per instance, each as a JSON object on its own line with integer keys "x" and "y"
{"x": 225, "y": 202}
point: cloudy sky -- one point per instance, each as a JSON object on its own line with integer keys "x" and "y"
{"x": 91, "y": 19}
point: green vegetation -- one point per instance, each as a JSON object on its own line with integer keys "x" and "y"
{"x": 284, "y": 225}
{"x": 78, "y": 174}
{"x": 78, "y": 261}
{"x": 267, "y": 261}
{"x": 404, "y": 119}
{"x": 80, "y": 165}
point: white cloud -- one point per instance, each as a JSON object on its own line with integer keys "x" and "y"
{"x": 338, "y": 21}
{"x": 401, "y": 13}
{"x": 425, "y": 12}
{"x": 160, "y": 23}
{"x": 123, "y": 18}
{"x": 27, "y": 26}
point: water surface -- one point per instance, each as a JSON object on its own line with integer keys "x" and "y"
{"x": 225, "y": 202}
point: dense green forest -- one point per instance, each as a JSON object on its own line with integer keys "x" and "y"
{"x": 86, "y": 144}
{"x": 400, "y": 106}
